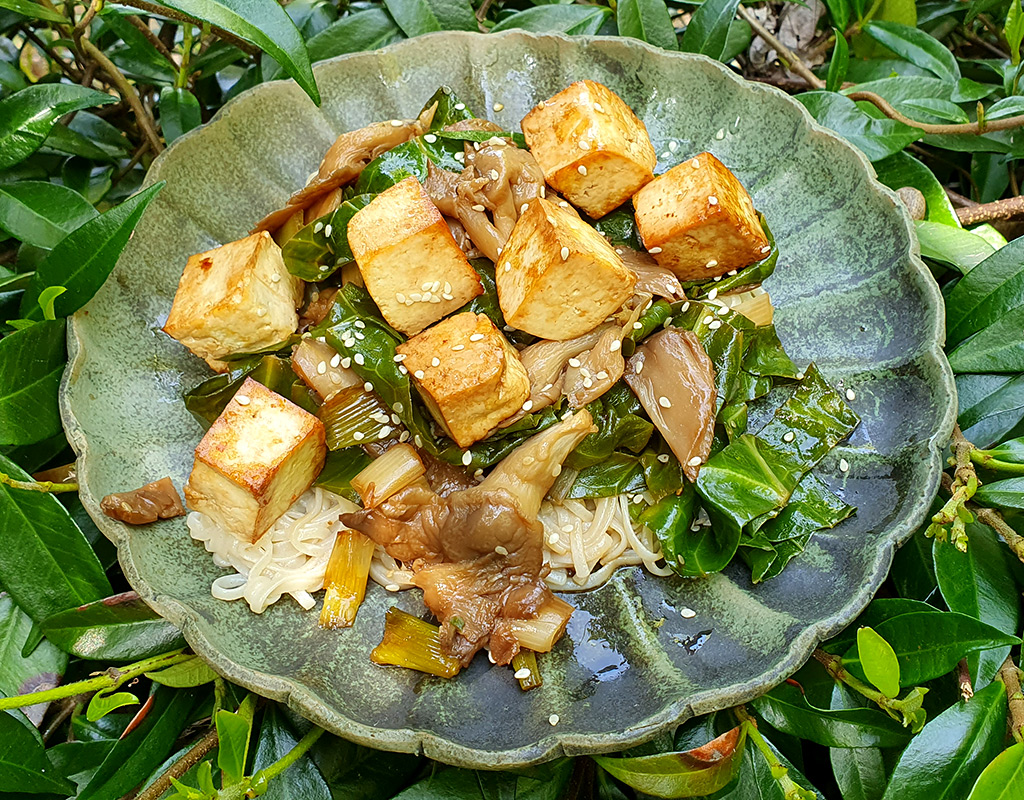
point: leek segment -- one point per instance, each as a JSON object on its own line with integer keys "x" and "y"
{"x": 345, "y": 580}
{"x": 415, "y": 644}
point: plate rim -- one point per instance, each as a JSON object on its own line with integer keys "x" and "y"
{"x": 555, "y": 744}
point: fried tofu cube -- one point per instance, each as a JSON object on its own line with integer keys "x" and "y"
{"x": 557, "y": 277}
{"x": 592, "y": 147}
{"x": 236, "y": 298}
{"x": 408, "y": 258}
{"x": 468, "y": 375}
{"x": 259, "y": 456}
{"x": 698, "y": 220}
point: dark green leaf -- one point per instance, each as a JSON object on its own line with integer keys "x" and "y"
{"x": 48, "y": 565}
{"x": 619, "y": 427}
{"x": 915, "y": 46}
{"x": 751, "y": 275}
{"x": 83, "y": 259}
{"x": 838, "y": 65}
{"x": 952, "y": 245}
{"x": 354, "y": 33}
{"x": 313, "y": 255}
{"x": 340, "y": 468}
{"x": 709, "y": 28}
{"x": 987, "y": 293}
{"x": 620, "y": 473}
{"x": 991, "y": 406}
{"x": 929, "y": 644}
{"x": 135, "y": 756}
{"x": 303, "y": 779}
{"x": 263, "y": 23}
{"x": 1008, "y": 493}
{"x": 23, "y": 762}
{"x": 877, "y": 138}
{"x": 670, "y": 520}
{"x": 208, "y": 399}
{"x": 179, "y": 112}
{"x": 839, "y": 10}
{"x": 556, "y": 19}
{"x": 118, "y": 628}
{"x": 647, "y": 20}
{"x": 404, "y": 161}
{"x": 619, "y": 227}
{"x": 786, "y": 709}
{"x": 31, "y": 364}
{"x": 878, "y": 661}
{"x": 40, "y": 213}
{"x": 692, "y": 773}
{"x": 33, "y": 10}
{"x": 416, "y": 17}
{"x": 20, "y": 672}
{"x": 1003, "y": 778}
{"x": 944, "y": 760}
{"x": 902, "y": 169}
{"x": 26, "y": 117}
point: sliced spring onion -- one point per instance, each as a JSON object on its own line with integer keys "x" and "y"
{"x": 390, "y": 473}
{"x": 755, "y": 305}
{"x": 527, "y": 660}
{"x": 415, "y": 644}
{"x": 354, "y": 416}
{"x": 319, "y": 366}
{"x": 345, "y": 580}
{"x": 541, "y": 633}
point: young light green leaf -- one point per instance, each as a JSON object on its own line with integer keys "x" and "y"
{"x": 1003, "y": 778}
{"x": 83, "y": 259}
{"x": 838, "y": 65}
{"x": 26, "y": 117}
{"x": 877, "y": 138}
{"x": 917, "y": 47}
{"x": 571, "y": 19}
{"x": 41, "y": 213}
{"x": 234, "y": 729}
{"x": 24, "y": 764}
{"x": 103, "y": 703}
{"x": 1014, "y": 30}
{"x": 709, "y": 28}
{"x": 647, "y": 20}
{"x": 416, "y": 17}
{"x": 31, "y": 364}
{"x": 946, "y": 758}
{"x": 263, "y": 23}
{"x": 33, "y": 10}
{"x": 692, "y": 773}
{"x": 47, "y": 299}
{"x": 179, "y": 112}
{"x": 878, "y": 661}
{"x": 353, "y": 33}
{"x": 185, "y": 674}
{"x": 954, "y": 246}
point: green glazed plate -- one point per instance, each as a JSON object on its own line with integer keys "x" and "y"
{"x": 851, "y": 293}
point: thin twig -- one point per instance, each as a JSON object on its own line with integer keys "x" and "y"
{"x": 66, "y": 67}
{"x": 37, "y": 486}
{"x": 1010, "y": 676}
{"x": 791, "y": 58}
{"x": 958, "y": 200}
{"x": 140, "y": 151}
{"x": 963, "y": 679}
{"x": 1005, "y": 124}
{"x": 1007, "y": 208}
{"x": 191, "y": 757}
{"x": 128, "y": 93}
{"x": 170, "y": 13}
{"x": 83, "y": 24}
{"x": 481, "y": 14}
{"x": 152, "y": 38}
{"x": 992, "y": 518}
{"x": 977, "y": 40}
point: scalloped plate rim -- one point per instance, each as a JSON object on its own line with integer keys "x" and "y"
{"x": 297, "y": 697}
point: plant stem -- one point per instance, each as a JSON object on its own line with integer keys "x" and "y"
{"x": 186, "y": 54}
{"x": 962, "y": 488}
{"x": 1010, "y": 676}
{"x": 110, "y": 678}
{"x": 170, "y": 13}
{"x": 259, "y": 781}
{"x": 153, "y": 39}
{"x": 1007, "y": 208}
{"x": 992, "y": 518}
{"x": 792, "y": 59}
{"x": 983, "y": 459}
{"x": 37, "y": 486}
{"x": 1005, "y": 124}
{"x": 963, "y": 679}
{"x": 790, "y": 789}
{"x": 191, "y": 757}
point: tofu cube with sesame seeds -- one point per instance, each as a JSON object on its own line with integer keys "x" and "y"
{"x": 557, "y": 277}
{"x": 698, "y": 220}
{"x": 468, "y": 375}
{"x": 591, "y": 146}
{"x": 236, "y": 298}
{"x": 409, "y": 260}
{"x": 259, "y": 456}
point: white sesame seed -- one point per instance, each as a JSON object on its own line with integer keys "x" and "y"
{"x": 430, "y": 138}
{"x": 844, "y": 465}
{"x": 616, "y": 345}
{"x": 357, "y": 435}
{"x": 275, "y": 278}
{"x": 460, "y": 106}
{"x": 398, "y": 358}
{"x": 637, "y": 326}
{"x": 447, "y": 286}
{"x": 543, "y": 191}
{"x": 242, "y": 400}
{"x": 582, "y": 170}
{"x": 788, "y": 436}
{"x": 460, "y": 156}
{"x": 385, "y": 432}
{"x": 318, "y": 227}
{"x": 766, "y": 249}
{"x": 404, "y": 436}
{"x": 346, "y": 362}
{"x": 574, "y": 362}
{"x": 359, "y": 359}
{"x": 565, "y": 253}
{"x": 723, "y": 309}
{"x": 711, "y": 264}
{"x": 427, "y": 297}
{"x": 654, "y": 251}
{"x": 732, "y": 272}
{"x": 712, "y": 200}
{"x": 498, "y": 107}
{"x": 447, "y": 296}
{"x": 563, "y": 204}
{"x": 673, "y": 146}
{"x": 721, "y": 134}
{"x": 715, "y": 325}
{"x": 547, "y": 386}
{"x": 399, "y": 408}
{"x": 695, "y": 163}
{"x": 707, "y": 320}
{"x": 850, "y": 395}
{"x": 261, "y": 312}
{"x": 556, "y": 470}
{"x": 349, "y": 342}
{"x": 639, "y": 367}
{"x": 417, "y": 440}
{"x": 396, "y": 123}
{"x": 467, "y": 458}
{"x": 335, "y": 360}
{"x": 664, "y": 402}
{"x": 508, "y": 268}
{"x": 799, "y": 376}
{"x": 588, "y": 383}
{"x": 335, "y": 377}
{"x": 360, "y": 336}
{"x": 527, "y": 405}
{"x": 567, "y": 528}
{"x": 694, "y": 462}
{"x": 494, "y": 174}
{"x": 666, "y": 154}
{"x": 663, "y": 458}
{"x": 476, "y": 337}
{"x": 396, "y": 419}
{"x": 415, "y": 297}
{"x": 393, "y": 587}
{"x": 402, "y": 369}
{"x": 419, "y": 374}
{"x": 458, "y": 347}
{"x": 400, "y": 297}
{"x": 584, "y": 144}
{"x": 602, "y": 375}
{"x": 501, "y": 551}
{"x": 328, "y": 229}
{"x": 321, "y": 368}
{"x": 367, "y": 387}
{"x": 553, "y": 719}
{"x": 598, "y": 108}
{"x": 687, "y": 613}
{"x": 686, "y": 307}
{"x": 435, "y": 362}
{"x": 522, "y": 674}
{"x": 479, "y": 207}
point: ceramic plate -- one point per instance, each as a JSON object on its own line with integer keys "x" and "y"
{"x": 851, "y": 294}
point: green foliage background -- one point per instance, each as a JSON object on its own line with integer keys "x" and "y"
{"x": 918, "y": 699}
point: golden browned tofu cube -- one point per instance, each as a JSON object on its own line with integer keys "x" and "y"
{"x": 468, "y": 375}
{"x": 258, "y": 458}
{"x": 236, "y": 298}
{"x": 592, "y": 147}
{"x": 557, "y": 277}
{"x": 698, "y": 220}
{"x": 410, "y": 263}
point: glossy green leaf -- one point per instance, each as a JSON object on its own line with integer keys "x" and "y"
{"x": 416, "y": 17}
{"x": 620, "y": 473}
{"x": 185, "y": 674}
{"x": 1008, "y": 493}
{"x": 263, "y": 23}
{"x": 670, "y": 519}
{"x": 839, "y": 63}
{"x": 878, "y": 661}
{"x": 708, "y": 29}
{"x": 276, "y": 739}
{"x": 83, "y": 259}
{"x": 41, "y": 213}
{"x": 401, "y": 162}
{"x": 22, "y": 672}
{"x": 991, "y": 407}
{"x": 312, "y": 254}
{"x": 366, "y": 30}
{"x": 48, "y": 566}
{"x": 1003, "y": 778}
{"x": 179, "y": 112}
{"x": 979, "y": 583}
{"x": 26, "y": 117}
{"x": 859, "y": 772}
{"x": 647, "y": 20}
{"x": 24, "y": 764}
{"x": 954, "y": 246}
{"x": 996, "y": 348}
{"x": 545, "y": 782}
{"x": 1014, "y": 29}
{"x": 33, "y": 10}
{"x": 946, "y": 758}
{"x": 929, "y": 644}
{"x": 915, "y": 46}
{"x": 902, "y": 169}
{"x": 876, "y": 138}
{"x": 118, "y": 628}
{"x": 692, "y": 773}
{"x": 102, "y": 704}
{"x": 31, "y": 364}
{"x": 571, "y": 19}
{"x": 234, "y": 729}
{"x": 986, "y": 294}
{"x": 135, "y": 756}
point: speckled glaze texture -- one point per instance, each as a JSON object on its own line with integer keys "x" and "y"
{"x": 851, "y": 294}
